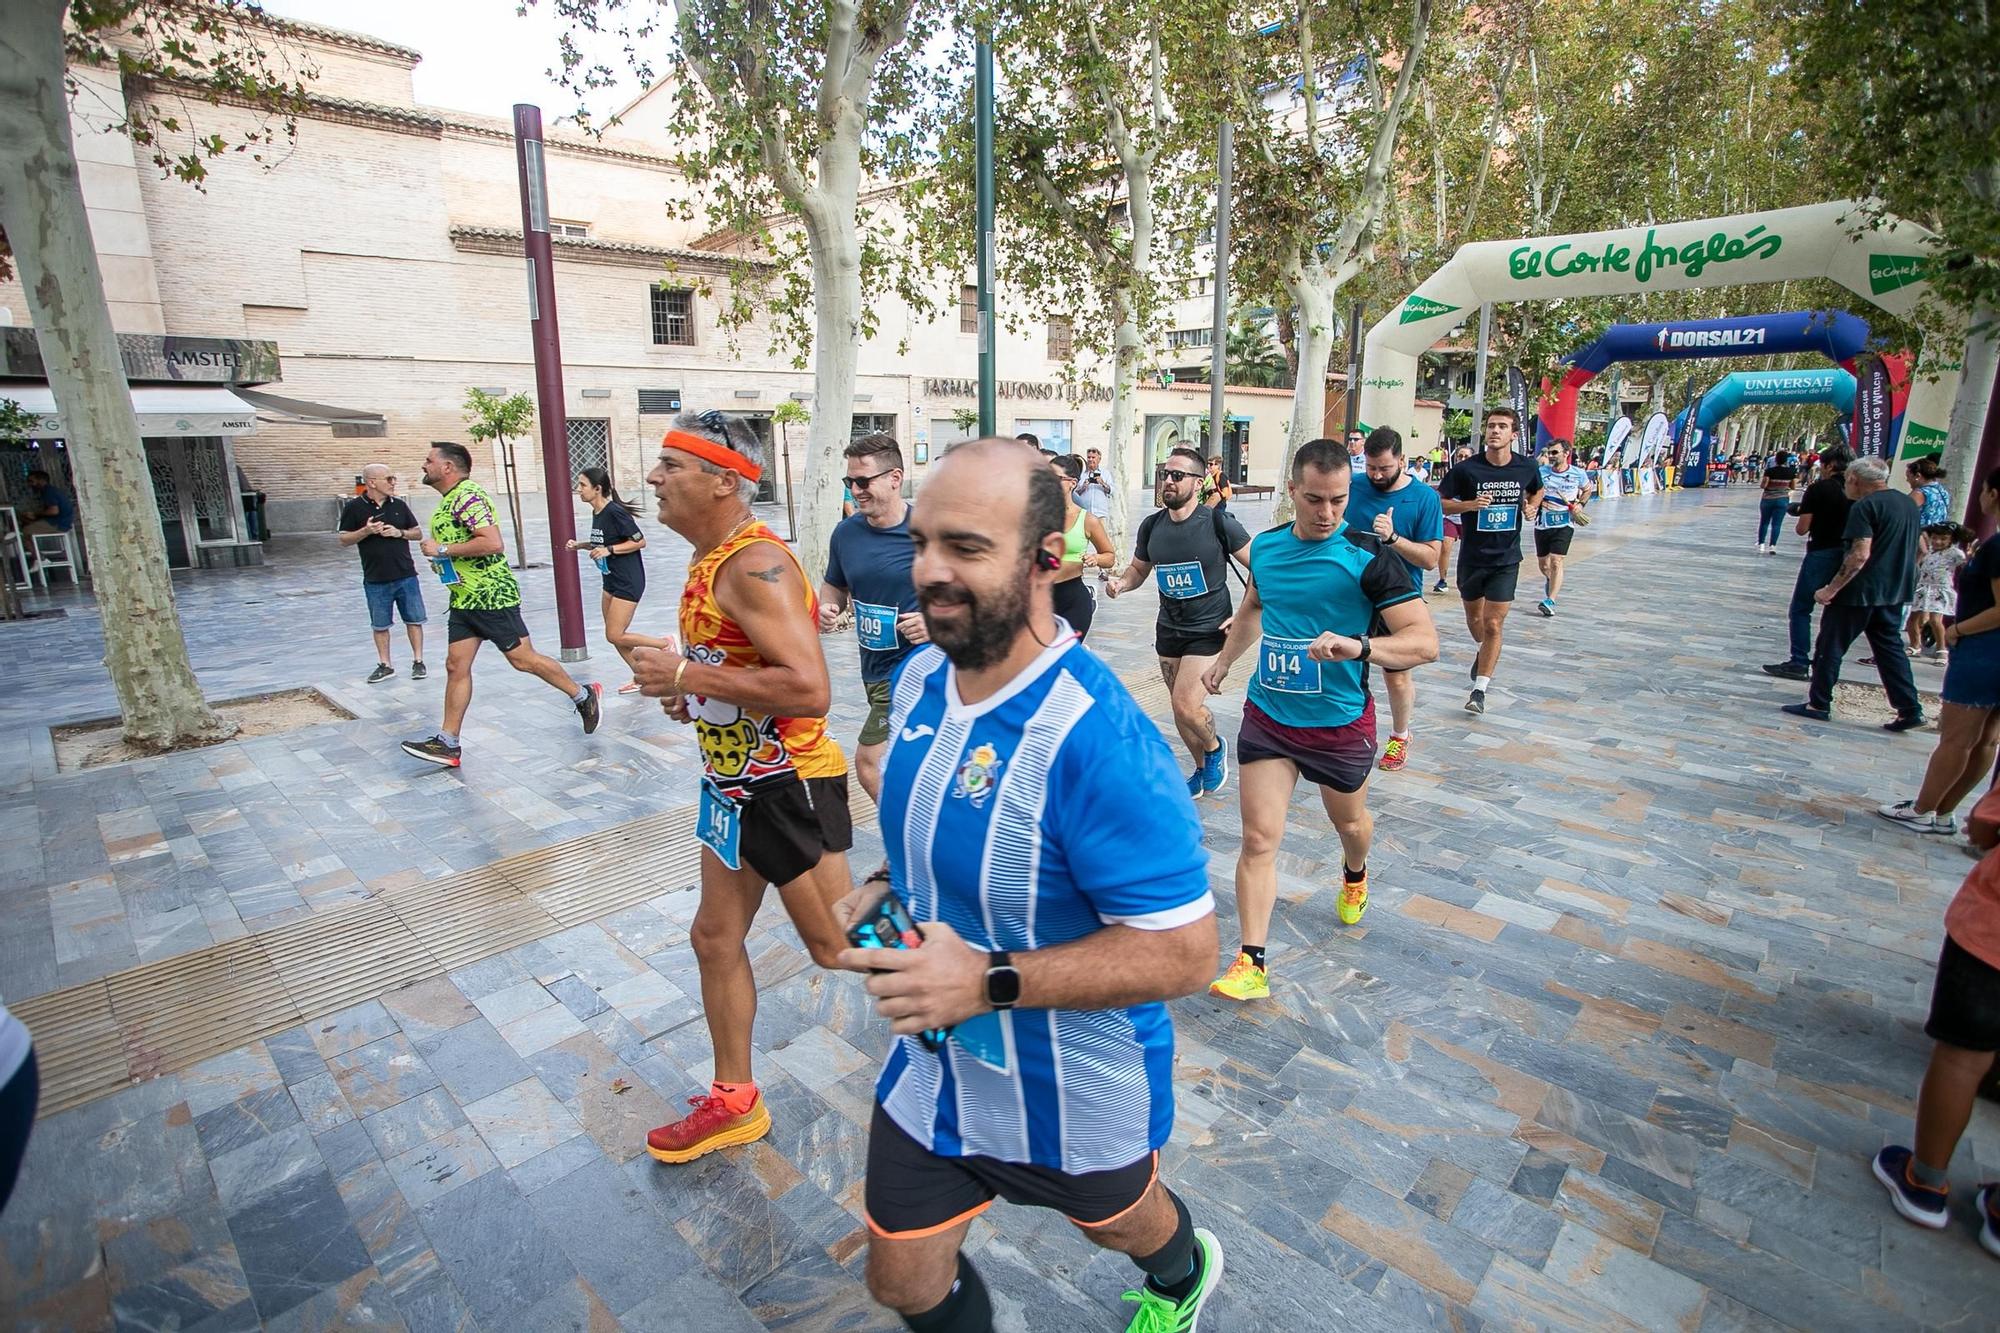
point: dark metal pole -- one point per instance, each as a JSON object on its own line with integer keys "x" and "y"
{"x": 550, "y": 413}
{"x": 982, "y": 129}
{"x": 1218, "y": 334}
{"x": 1354, "y": 367}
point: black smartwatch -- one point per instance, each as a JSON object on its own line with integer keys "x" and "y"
{"x": 1003, "y": 982}
{"x": 1367, "y": 647}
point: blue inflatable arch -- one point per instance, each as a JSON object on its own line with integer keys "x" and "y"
{"x": 1750, "y": 388}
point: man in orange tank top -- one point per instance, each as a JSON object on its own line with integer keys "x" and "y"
{"x": 749, "y": 675}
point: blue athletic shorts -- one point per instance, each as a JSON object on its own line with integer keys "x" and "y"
{"x": 405, "y": 596}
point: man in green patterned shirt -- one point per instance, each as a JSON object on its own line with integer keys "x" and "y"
{"x": 466, "y": 549}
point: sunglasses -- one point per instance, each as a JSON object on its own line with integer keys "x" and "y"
{"x": 1175, "y": 474}
{"x": 863, "y": 483}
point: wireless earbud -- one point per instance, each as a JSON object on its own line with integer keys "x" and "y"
{"x": 1048, "y": 560}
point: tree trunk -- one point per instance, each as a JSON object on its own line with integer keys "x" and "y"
{"x": 1313, "y": 293}
{"x": 1124, "y": 385}
{"x": 1968, "y": 411}
{"x": 41, "y": 208}
{"x": 833, "y": 242}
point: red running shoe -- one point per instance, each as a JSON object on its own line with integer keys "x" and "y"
{"x": 708, "y": 1127}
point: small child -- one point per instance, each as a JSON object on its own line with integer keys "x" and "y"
{"x": 1964, "y": 1029}
{"x": 1937, "y": 595}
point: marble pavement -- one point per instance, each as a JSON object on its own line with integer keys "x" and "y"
{"x": 1639, "y": 993}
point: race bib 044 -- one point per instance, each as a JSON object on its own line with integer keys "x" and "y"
{"x": 1182, "y": 580}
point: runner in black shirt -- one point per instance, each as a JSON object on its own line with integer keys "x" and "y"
{"x": 1186, "y": 545}
{"x": 614, "y": 543}
{"x": 380, "y": 523}
{"x": 1822, "y": 521}
{"x": 1501, "y": 492}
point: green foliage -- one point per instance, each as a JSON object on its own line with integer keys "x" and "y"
{"x": 488, "y": 416}
{"x": 791, "y": 412}
{"x": 15, "y": 422}
{"x": 1909, "y": 100}
{"x": 764, "y": 93}
{"x": 1254, "y": 360}
{"x": 176, "y": 59}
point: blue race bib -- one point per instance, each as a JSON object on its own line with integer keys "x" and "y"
{"x": 1183, "y": 580}
{"x": 1499, "y": 518}
{"x": 719, "y": 825}
{"x": 875, "y": 626}
{"x": 1553, "y": 515}
{"x": 1283, "y": 666}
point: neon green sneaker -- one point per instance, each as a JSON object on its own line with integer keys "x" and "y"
{"x": 1157, "y": 1314}
{"x": 1243, "y": 981}
{"x": 1353, "y": 900}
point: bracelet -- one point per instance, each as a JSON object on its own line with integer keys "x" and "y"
{"x": 882, "y": 875}
{"x": 680, "y": 671}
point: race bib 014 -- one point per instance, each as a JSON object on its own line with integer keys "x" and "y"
{"x": 1284, "y": 665}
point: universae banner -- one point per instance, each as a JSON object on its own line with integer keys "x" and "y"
{"x": 1873, "y": 408}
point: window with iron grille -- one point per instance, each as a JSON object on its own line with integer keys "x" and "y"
{"x": 673, "y": 316}
{"x": 968, "y": 308}
{"x": 1062, "y": 339}
{"x": 589, "y": 443}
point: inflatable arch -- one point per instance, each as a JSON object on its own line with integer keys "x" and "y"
{"x": 1887, "y": 266}
{"x": 1834, "y": 334}
{"x": 1750, "y": 388}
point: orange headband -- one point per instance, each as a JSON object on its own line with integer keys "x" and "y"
{"x": 719, "y": 454}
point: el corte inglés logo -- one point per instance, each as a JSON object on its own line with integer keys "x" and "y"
{"x": 1422, "y": 307}
{"x": 1888, "y": 272}
{"x": 1650, "y": 260}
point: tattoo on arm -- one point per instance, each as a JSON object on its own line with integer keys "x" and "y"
{"x": 770, "y": 575}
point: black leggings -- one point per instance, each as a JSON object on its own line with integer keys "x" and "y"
{"x": 1074, "y": 603}
{"x": 17, "y": 1118}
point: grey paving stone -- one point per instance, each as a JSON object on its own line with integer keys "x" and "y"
{"x": 500, "y": 1257}
{"x": 473, "y": 1060}
{"x": 294, "y": 1240}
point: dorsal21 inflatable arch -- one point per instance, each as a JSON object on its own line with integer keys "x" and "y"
{"x": 1888, "y": 266}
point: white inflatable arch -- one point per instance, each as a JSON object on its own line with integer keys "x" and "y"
{"x": 1887, "y": 266}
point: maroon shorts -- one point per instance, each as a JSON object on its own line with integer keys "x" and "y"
{"x": 1451, "y": 528}
{"x": 1336, "y": 757}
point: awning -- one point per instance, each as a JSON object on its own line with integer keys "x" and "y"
{"x": 161, "y": 411}
{"x": 347, "y": 421}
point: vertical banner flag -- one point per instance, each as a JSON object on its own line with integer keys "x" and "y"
{"x": 1872, "y": 407}
{"x": 1517, "y": 398}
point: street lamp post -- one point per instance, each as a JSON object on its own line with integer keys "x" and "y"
{"x": 546, "y": 338}
{"x": 982, "y": 133}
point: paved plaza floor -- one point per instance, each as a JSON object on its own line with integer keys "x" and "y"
{"x": 340, "y": 1040}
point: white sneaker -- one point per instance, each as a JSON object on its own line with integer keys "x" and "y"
{"x": 1921, "y": 821}
{"x": 1772, "y": 549}
{"x": 1760, "y": 548}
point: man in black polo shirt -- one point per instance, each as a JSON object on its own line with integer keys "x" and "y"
{"x": 1822, "y": 521}
{"x": 1495, "y": 494}
{"x": 381, "y": 524}
{"x": 1186, "y": 546}
{"x": 1876, "y": 580}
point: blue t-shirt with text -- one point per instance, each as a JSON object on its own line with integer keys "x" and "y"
{"x": 1309, "y": 588}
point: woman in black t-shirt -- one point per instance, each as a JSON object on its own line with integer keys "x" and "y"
{"x": 1779, "y": 478}
{"x": 614, "y": 543}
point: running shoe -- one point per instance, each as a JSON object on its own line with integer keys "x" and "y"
{"x": 418, "y": 671}
{"x": 1353, "y": 900}
{"x": 1477, "y": 703}
{"x": 589, "y": 706}
{"x": 1989, "y": 1217}
{"x": 1195, "y": 780}
{"x": 629, "y": 687}
{"x": 1395, "y": 754}
{"x": 1921, "y": 1204}
{"x": 434, "y": 750}
{"x": 1547, "y": 608}
{"x": 1788, "y": 670}
{"x": 1918, "y": 821}
{"x": 1243, "y": 981}
{"x": 1441, "y": 586}
{"x": 1215, "y": 770}
{"x": 708, "y": 1127}
{"x": 1162, "y": 1314}
{"x": 381, "y": 673}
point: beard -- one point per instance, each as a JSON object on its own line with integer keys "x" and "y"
{"x": 989, "y": 627}
{"x": 1386, "y": 486}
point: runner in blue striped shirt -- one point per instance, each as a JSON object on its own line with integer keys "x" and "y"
{"x": 1059, "y": 911}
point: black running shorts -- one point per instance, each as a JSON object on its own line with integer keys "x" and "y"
{"x": 789, "y": 827}
{"x": 1965, "y": 1002}
{"x": 1553, "y": 541}
{"x": 504, "y": 628}
{"x": 1492, "y": 583}
{"x": 912, "y": 1192}
{"x": 1173, "y": 644}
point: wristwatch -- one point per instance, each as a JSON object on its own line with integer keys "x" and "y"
{"x": 1367, "y": 647}
{"x": 1003, "y": 982}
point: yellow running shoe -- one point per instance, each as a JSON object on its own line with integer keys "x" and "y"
{"x": 1353, "y": 900}
{"x": 1243, "y": 981}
